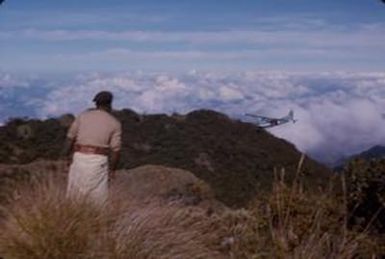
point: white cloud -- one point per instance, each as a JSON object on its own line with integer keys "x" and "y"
{"x": 313, "y": 46}
{"x": 8, "y": 80}
{"x": 308, "y": 31}
{"x": 309, "y": 35}
{"x": 227, "y": 93}
{"x": 338, "y": 113}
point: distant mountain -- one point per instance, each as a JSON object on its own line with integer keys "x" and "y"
{"x": 235, "y": 158}
{"x": 376, "y": 152}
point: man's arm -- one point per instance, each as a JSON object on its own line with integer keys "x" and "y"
{"x": 115, "y": 145}
{"x": 70, "y": 141}
{"x": 115, "y": 155}
{"x": 67, "y": 151}
{"x": 68, "y": 146}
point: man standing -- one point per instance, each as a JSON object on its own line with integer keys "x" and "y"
{"x": 94, "y": 136}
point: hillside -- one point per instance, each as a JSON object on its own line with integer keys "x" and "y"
{"x": 375, "y": 152}
{"x": 236, "y": 159}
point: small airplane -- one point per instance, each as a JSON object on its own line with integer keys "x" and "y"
{"x": 267, "y": 122}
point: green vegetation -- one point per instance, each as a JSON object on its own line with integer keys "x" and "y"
{"x": 366, "y": 189}
{"x": 25, "y": 140}
{"x": 235, "y": 158}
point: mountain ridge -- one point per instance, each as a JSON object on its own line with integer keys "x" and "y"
{"x": 237, "y": 159}
{"x": 375, "y": 152}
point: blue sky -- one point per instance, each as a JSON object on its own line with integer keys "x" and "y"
{"x": 71, "y": 36}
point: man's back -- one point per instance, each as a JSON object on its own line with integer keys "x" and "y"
{"x": 96, "y": 127}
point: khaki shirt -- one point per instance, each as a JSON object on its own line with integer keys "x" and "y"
{"x": 97, "y": 128}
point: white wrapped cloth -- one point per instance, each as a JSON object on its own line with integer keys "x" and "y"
{"x": 88, "y": 177}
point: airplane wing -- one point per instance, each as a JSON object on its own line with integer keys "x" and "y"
{"x": 262, "y": 118}
{"x": 268, "y": 122}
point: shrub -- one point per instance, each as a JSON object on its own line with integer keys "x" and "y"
{"x": 366, "y": 189}
{"x": 306, "y": 224}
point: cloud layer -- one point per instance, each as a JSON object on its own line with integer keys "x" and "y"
{"x": 338, "y": 113}
{"x": 283, "y": 43}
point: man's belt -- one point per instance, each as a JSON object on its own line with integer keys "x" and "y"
{"x": 89, "y": 149}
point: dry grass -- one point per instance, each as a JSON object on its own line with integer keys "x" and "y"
{"x": 286, "y": 223}
{"x": 307, "y": 224}
{"x": 41, "y": 223}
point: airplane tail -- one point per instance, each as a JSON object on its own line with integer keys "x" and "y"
{"x": 290, "y": 116}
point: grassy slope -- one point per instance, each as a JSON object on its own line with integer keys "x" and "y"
{"x": 287, "y": 223}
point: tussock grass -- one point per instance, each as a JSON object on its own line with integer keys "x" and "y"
{"x": 41, "y": 223}
{"x": 44, "y": 224}
{"x": 286, "y": 223}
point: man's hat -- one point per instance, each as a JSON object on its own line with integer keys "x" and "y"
{"x": 103, "y": 97}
